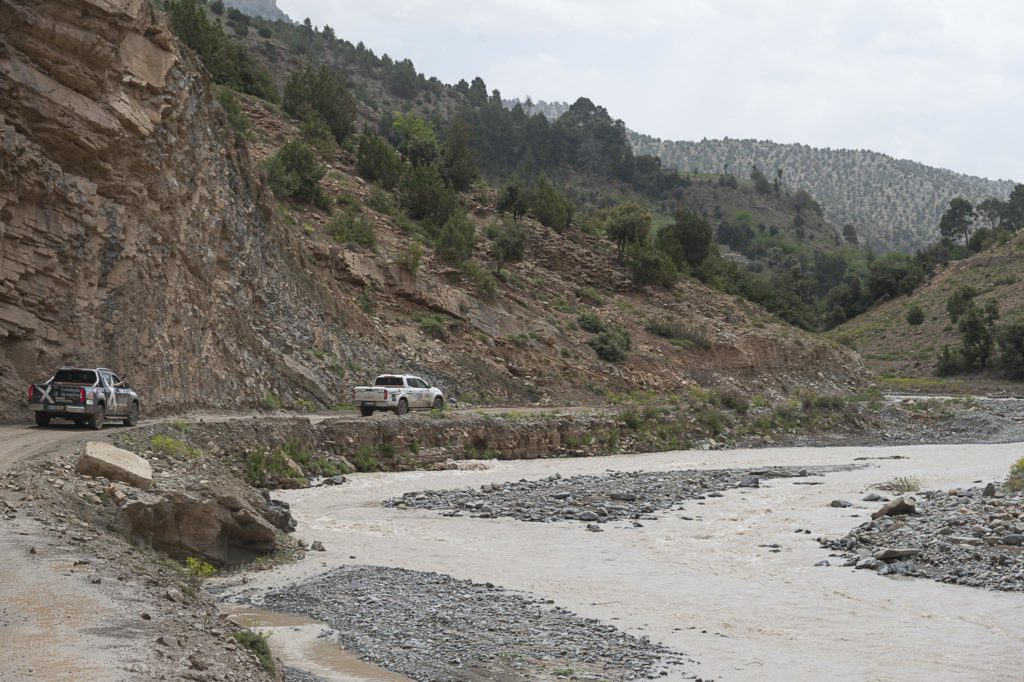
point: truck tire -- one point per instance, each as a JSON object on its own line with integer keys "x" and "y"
{"x": 42, "y": 419}
{"x": 366, "y": 410}
{"x": 438, "y": 403}
{"x": 96, "y": 418}
{"x": 403, "y": 407}
{"x": 133, "y": 415}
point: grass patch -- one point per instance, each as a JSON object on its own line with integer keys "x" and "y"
{"x": 172, "y": 447}
{"x": 257, "y": 643}
{"x": 433, "y": 325}
{"x": 1015, "y": 480}
{"x": 679, "y": 335}
{"x": 901, "y": 484}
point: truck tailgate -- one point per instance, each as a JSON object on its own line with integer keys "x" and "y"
{"x": 369, "y": 394}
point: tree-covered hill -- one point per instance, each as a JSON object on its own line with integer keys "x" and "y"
{"x": 894, "y": 204}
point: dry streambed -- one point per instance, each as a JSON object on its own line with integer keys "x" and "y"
{"x": 431, "y": 626}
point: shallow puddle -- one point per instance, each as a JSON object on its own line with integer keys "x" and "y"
{"x": 297, "y": 641}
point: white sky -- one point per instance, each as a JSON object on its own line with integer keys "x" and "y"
{"x": 936, "y": 81}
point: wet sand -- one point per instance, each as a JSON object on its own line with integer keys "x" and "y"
{"x": 704, "y": 586}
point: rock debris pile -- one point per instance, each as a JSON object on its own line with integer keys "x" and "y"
{"x": 968, "y": 536}
{"x": 630, "y": 495}
{"x": 431, "y": 626}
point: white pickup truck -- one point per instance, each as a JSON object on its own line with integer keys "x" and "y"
{"x": 397, "y": 393}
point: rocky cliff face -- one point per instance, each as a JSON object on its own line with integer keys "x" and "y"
{"x": 133, "y": 230}
{"x": 135, "y": 233}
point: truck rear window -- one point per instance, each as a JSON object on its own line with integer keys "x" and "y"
{"x": 75, "y": 376}
{"x": 388, "y": 381}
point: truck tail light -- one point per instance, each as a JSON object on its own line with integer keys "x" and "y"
{"x": 81, "y": 395}
{"x": 31, "y": 392}
{"x": 385, "y": 394}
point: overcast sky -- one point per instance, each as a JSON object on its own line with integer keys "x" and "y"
{"x": 936, "y": 81}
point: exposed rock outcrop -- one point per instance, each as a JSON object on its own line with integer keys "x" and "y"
{"x": 224, "y": 530}
{"x": 133, "y": 228}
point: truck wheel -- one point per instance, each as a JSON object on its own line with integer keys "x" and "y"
{"x": 438, "y": 403}
{"x": 366, "y": 410}
{"x": 42, "y": 419}
{"x": 403, "y": 407}
{"x": 96, "y": 419}
{"x": 133, "y": 415}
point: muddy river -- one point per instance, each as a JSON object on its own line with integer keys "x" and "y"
{"x": 699, "y": 580}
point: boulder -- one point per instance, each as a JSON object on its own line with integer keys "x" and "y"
{"x": 103, "y": 459}
{"x": 888, "y": 554}
{"x": 182, "y": 524}
{"x": 897, "y": 507}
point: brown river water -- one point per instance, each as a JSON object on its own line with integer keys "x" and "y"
{"x": 703, "y": 586}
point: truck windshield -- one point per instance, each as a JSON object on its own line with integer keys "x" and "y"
{"x": 75, "y": 376}
{"x": 388, "y": 381}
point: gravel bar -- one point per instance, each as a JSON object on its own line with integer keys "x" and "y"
{"x": 597, "y": 499}
{"x": 969, "y": 536}
{"x": 431, "y": 626}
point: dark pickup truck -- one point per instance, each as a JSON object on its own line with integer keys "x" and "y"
{"x": 84, "y": 396}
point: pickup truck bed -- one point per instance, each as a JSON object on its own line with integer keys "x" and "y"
{"x": 397, "y": 393}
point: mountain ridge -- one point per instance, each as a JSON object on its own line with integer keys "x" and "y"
{"x": 894, "y": 204}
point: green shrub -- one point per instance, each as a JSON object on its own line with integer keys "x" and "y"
{"x": 949, "y": 362}
{"x": 271, "y": 401}
{"x": 732, "y": 400}
{"x": 590, "y": 296}
{"x": 509, "y": 241}
{"x": 172, "y": 447}
{"x": 1010, "y": 339}
{"x": 822, "y": 402}
{"x": 257, "y": 643}
{"x": 411, "y": 256}
{"x": 915, "y": 315}
{"x": 550, "y": 207}
{"x": 649, "y": 265}
{"x": 351, "y": 227}
{"x": 611, "y": 345}
{"x": 426, "y": 196}
{"x": 456, "y": 239}
{"x": 1015, "y": 479}
{"x": 321, "y": 90}
{"x": 265, "y": 31}
{"x": 481, "y": 279}
{"x": 365, "y": 460}
{"x": 365, "y": 301}
{"x": 676, "y": 332}
{"x": 378, "y": 161}
{"x": 590, "y": 322}
{"x": 433, "y": 325}
{"x": 314, "y": 130}
{"x": 236, "y": 119}
{"x": 199, "y": 570}
{"x": 293, "y": 171}
{"x": 959, "y": 301}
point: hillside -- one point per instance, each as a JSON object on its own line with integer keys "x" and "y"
{"x": 267, "y": 9}
{"x": 894, "y": 204}
{"x": 138, "y": 234}
{"x": 890, "y": 345}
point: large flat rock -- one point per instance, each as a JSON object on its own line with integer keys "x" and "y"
{"x": 103, "y": 459}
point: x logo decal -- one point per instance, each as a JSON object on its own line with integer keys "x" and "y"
{"x": 45, "y": 397}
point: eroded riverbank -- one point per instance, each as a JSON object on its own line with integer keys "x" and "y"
{"x": 728, "y": 580}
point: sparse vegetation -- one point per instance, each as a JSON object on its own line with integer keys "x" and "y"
{"x": 1015, "y": 479}
{"x": 257, "y": 643}
{"x": 350, "y": 227}
{"x": 294, "y": 172}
